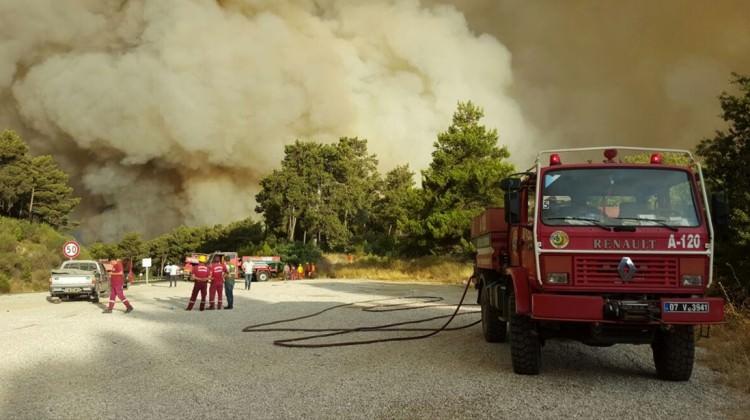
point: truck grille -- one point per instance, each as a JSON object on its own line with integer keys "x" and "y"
{"x": 602, "y": 271}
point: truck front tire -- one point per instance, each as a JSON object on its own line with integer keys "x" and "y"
{"x": 494, "y": 329}
{"x": 262, "y": 276}
{"x": 525, "y": 345}
{"x": 674, "y": 353}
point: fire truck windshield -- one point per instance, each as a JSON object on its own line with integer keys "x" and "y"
{"x": 618, "y": 197}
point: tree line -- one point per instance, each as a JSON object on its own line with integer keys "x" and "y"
{"x": 33, "y": 187}
{"x": 726, "y": 157}
{"x": 331, "y": 197}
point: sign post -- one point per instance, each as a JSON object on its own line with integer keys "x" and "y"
{"x": 146, "y": 263}
{"x": 71, "y": 249}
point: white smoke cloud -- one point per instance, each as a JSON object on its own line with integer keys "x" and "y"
{"x": 182, "y": 105}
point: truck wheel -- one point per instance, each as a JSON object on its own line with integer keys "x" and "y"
{"x": 262, "y": 276}
{"x": 674, "y": 353}
{"x": 525, "y": 346}
{"x": 95, "y": 295}
{"x": 494, "y": 329}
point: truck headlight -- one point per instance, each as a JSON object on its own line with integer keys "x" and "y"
{"x": 692, "y": 280}
{"x": 557, "y": 278}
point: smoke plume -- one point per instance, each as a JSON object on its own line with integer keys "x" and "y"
{"x": 603, "y": 72}
{"x": 169, "y": 111}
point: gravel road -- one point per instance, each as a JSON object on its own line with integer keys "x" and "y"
{"x": 69, "y": 360}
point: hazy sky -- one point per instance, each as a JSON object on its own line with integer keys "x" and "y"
{"x": 162, "y": 110}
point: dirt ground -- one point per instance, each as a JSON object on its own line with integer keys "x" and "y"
{"x": 69, "y": 360}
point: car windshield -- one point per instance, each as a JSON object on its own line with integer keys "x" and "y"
{"x": 618, "y": 197}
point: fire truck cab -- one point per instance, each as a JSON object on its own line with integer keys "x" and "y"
{"x": 605, "y": 253}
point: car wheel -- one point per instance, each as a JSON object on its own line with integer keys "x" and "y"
{"x": 262, "y": 276}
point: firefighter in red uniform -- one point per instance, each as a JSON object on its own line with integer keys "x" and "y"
{"x": 218, "y": 271}
{"x": 200, "y": 275}
{"x": 116, "y": 279}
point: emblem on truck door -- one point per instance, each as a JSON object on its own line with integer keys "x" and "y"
{"x": 626, "y": 269}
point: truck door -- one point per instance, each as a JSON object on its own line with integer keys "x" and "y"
{"x": 526, "y": 231}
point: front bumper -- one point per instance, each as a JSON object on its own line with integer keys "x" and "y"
{"x": 580, "y": 308}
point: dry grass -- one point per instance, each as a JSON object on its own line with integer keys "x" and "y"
{"x": 729, "y": 350}
{"x": 427, "y": 269}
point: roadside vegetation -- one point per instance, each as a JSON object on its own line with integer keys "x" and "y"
{"x": 726, "y": 169}
{"x": 729, "y": 350}
{"x": 27, "y": 251}
{"x": 450, "y": 270}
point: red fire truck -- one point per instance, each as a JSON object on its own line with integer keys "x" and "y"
{"x": 604, "y": 253}
{"x": 265, "y": 267}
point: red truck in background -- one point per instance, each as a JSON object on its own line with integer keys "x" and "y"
{"x": 265, "y": 267}
{"x": 603, "y": 253}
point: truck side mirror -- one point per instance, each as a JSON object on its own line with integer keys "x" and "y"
{"x": 720, "y": 212}
{"x": 510, "y": 184}
{"x": 512, "y": 200}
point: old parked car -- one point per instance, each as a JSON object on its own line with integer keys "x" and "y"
{"x": 79, "y": 278}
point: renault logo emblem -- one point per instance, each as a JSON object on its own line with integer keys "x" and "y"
{"x": 626, "y": 269}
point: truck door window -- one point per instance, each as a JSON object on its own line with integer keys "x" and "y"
{"x": 531, "y": 207}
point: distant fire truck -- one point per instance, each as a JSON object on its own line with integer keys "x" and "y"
{"x": 265, "y": 267}
{"x": 604, "y": 253}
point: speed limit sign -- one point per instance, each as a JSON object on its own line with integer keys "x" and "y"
{"x": 71, "y": 249}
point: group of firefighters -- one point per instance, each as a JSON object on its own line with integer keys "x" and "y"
{"x": 216, "y": 279}
{"x": 301, "y": 272}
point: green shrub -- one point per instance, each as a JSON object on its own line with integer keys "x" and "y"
{"x": 4, "y": 283}
{"x": 28, "y": 251}
{"x": 11, "y": 227}
{"x": 298, "y": 253}
{"x": 8, "y": 242}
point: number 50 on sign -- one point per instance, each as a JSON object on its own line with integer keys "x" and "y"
{"x": 71, "y": 249}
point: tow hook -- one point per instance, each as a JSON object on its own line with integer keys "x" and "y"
{"x": 611, "y": 310}
{"x": 630, "y": 310}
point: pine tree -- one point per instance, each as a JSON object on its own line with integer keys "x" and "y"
{"x": 51, "y": 199}
{"x": 462, "y": 179}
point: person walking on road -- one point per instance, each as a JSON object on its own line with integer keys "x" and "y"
{"x": 175, "y": 273}
{"x": 229, "y": 284}
{"x": 200, "y": 276}
{"x": 247, "y": 268}
{"x": 218, "y": 272}
{"x": 166, "y": 273}
{"x": 117, "y": 279}
{"x": 287, "y": 271}
{"x": 171, "y": 270}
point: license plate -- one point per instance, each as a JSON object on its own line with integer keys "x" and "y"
{"x": 701, "y": 307}
{"x": 73, "y": 290}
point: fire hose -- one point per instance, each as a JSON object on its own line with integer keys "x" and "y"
{"x": 427, "y": 301}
